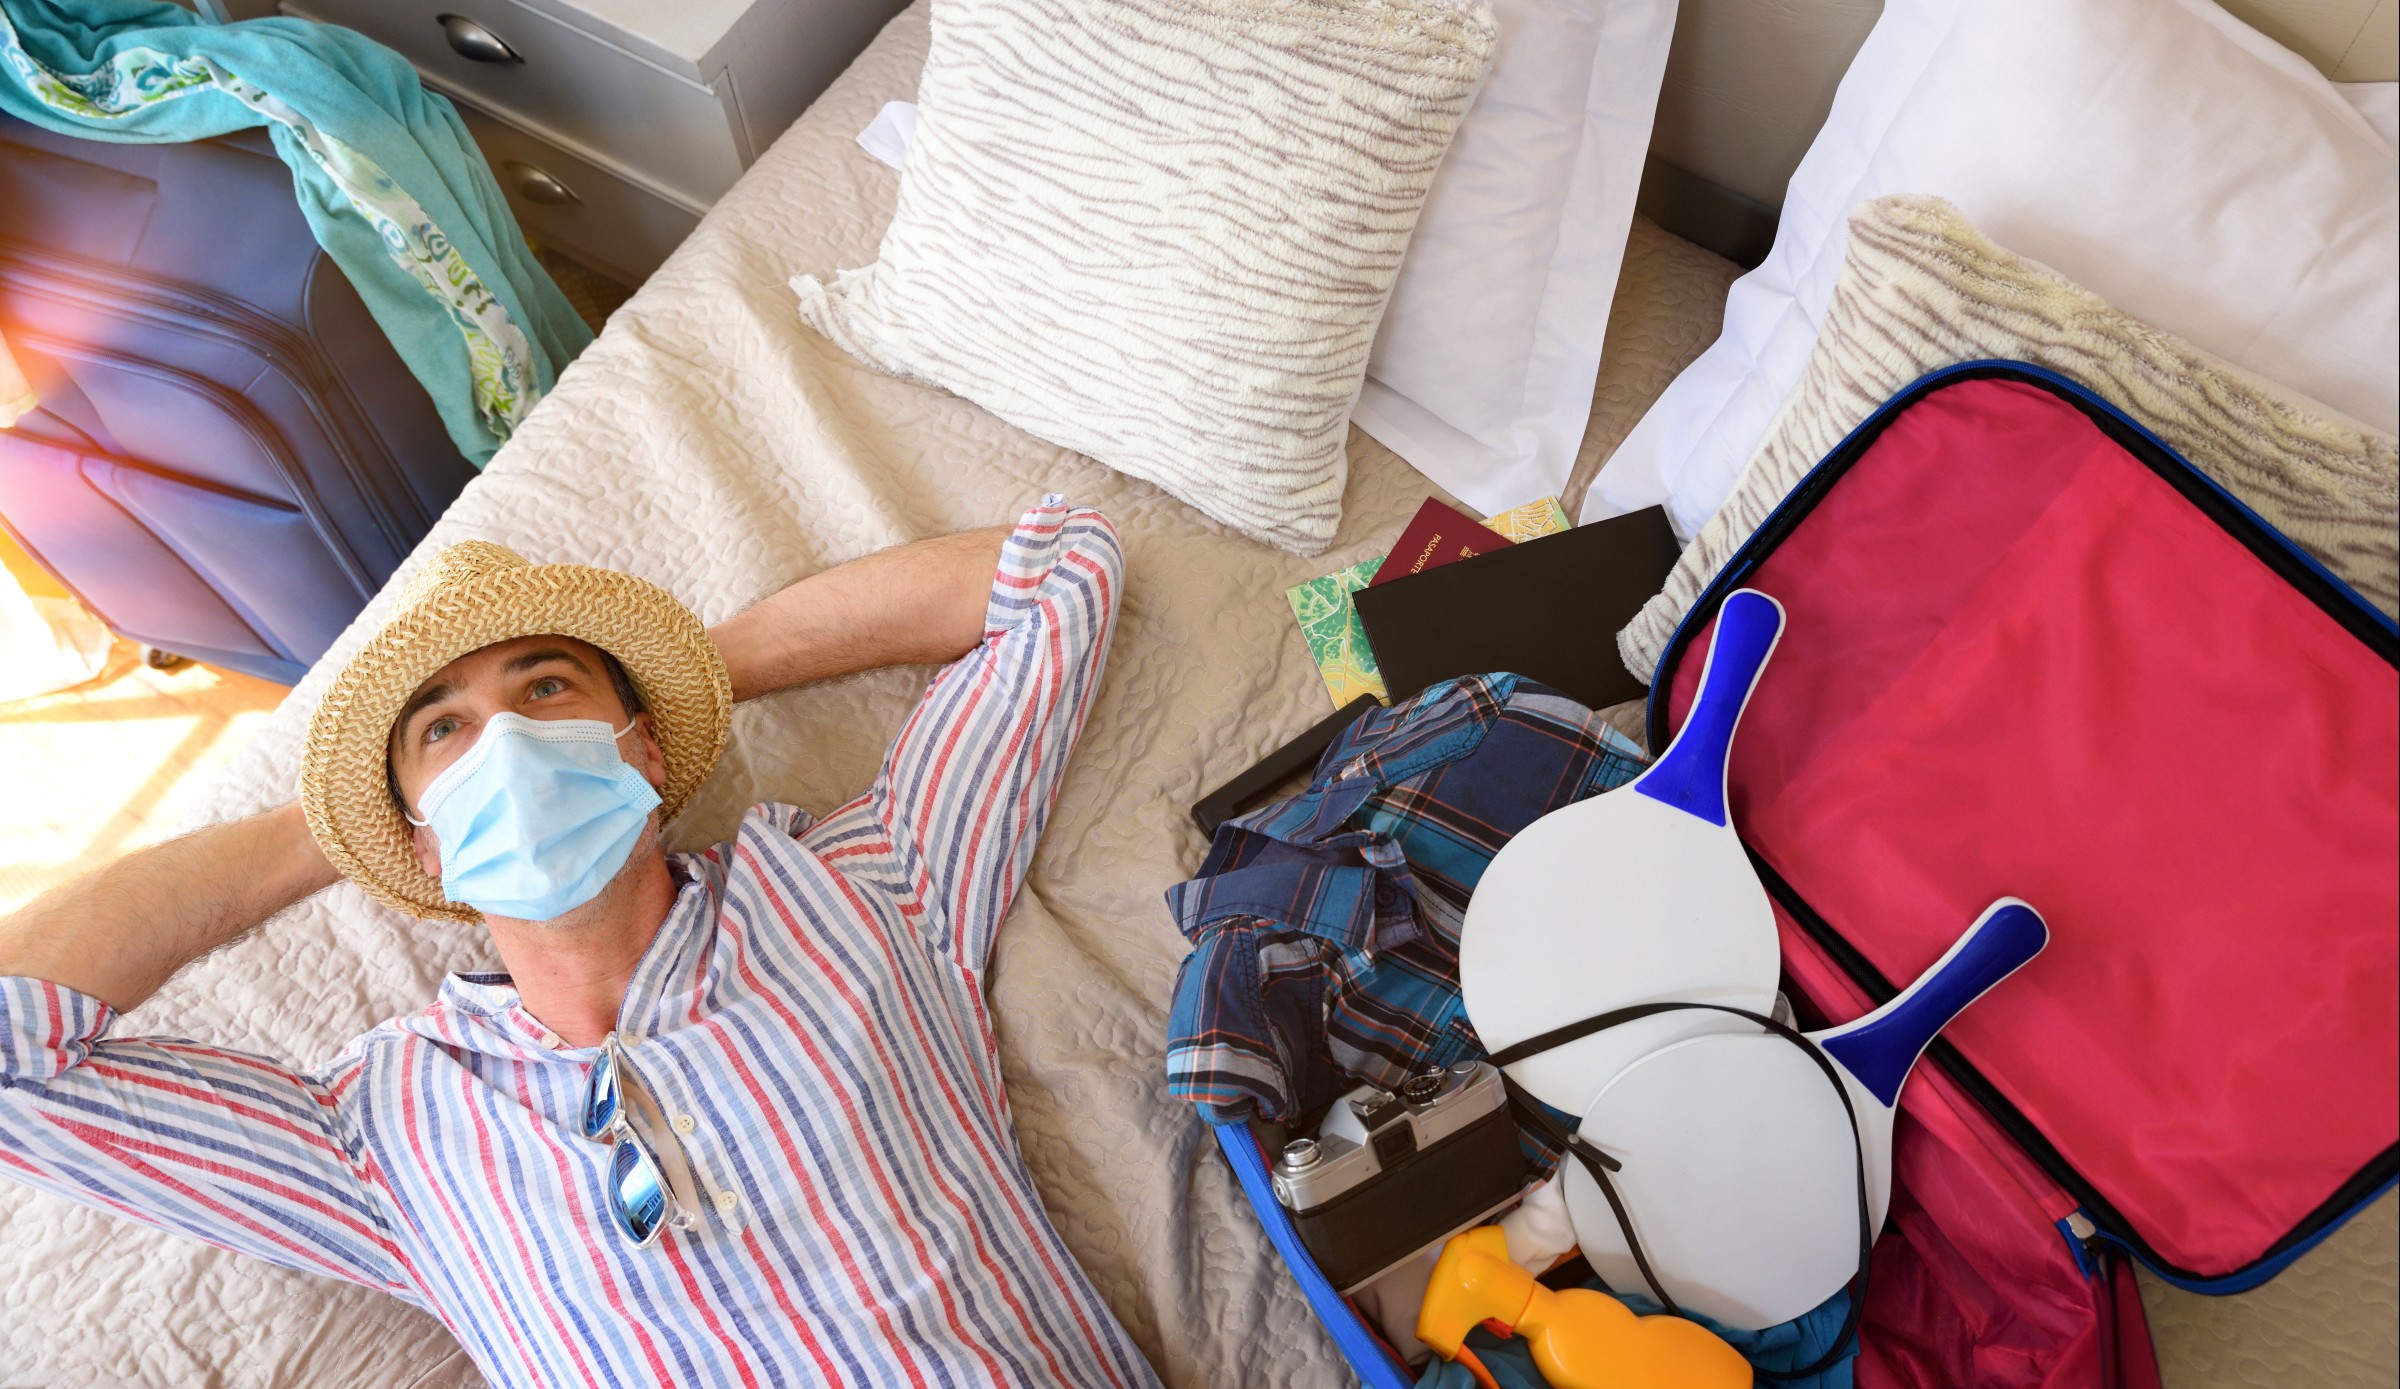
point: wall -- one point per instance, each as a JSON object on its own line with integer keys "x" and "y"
{"x": 1749, "y": 81}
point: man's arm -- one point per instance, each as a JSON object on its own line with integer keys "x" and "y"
{"x": 120, "y": 931}
{"x": 916, "y": 604}
{"x": 228, "y": 1148}
{"x": 233, "y": 1149}
{"x": 967, "y": 786}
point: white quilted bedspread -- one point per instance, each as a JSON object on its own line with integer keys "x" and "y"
{"x": 710, "y": 443}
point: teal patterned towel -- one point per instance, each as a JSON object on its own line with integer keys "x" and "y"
{"x": 388, "y": 178}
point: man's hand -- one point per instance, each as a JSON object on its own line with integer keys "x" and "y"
{"x": 119, "y": 932}
{"x": 918, "y": 604}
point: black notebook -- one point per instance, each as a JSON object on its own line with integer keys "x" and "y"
{"x": 1548, "y": 609}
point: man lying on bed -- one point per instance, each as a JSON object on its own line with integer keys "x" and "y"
{"x": 728, "y": 1118}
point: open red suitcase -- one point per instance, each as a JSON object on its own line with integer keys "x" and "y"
{"x": 2030, "y": 651}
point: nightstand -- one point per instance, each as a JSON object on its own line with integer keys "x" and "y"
{"x": 613, "y": 124}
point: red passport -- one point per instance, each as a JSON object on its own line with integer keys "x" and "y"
{"x": 1437, "y": 535}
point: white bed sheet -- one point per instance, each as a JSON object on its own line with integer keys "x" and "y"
{"x": 710, "y": 443}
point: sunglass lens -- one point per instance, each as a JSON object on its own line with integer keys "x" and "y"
{"x": 636, "y": 1196}
{"x": 600, "y": 1096}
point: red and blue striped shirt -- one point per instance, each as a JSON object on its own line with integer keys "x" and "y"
{"x": 809, "y": 1018}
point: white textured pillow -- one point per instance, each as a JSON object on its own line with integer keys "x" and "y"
{"x": 1162, "y": 232}
{"x": 1482, "y": 372}
{"x": 1921, "y": 288}
{"x": 2161, "y": 153}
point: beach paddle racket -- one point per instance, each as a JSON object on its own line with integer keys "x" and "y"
{"x": 1738, "y": 1164}
{"x": 1640, "y": 894}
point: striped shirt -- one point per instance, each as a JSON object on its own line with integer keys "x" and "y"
{"x": 811, "y": 1017}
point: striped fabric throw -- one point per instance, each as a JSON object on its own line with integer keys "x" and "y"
{"x": 1921, "y": 288}
{"x": 1161, "y": 232}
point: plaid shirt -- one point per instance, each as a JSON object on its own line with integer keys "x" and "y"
{"x": 1325, "y": 926}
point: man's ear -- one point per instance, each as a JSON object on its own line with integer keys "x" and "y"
{"x": 429, "y": 850}
{"x": 651, "y": 758}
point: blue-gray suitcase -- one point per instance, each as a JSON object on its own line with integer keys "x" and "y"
{"x": 228, "y": 459}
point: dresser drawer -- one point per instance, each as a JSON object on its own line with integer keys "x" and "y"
{"x": 671, "y": 132}
{"x": 577, "y": 207}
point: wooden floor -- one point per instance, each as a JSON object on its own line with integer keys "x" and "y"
{"x": 107, "y": 766}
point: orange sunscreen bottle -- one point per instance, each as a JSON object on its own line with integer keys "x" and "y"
{"x": 1581, "y": 1339}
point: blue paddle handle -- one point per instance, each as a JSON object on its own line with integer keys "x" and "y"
{"x": 1880, "y": 1048}
{"x": 1690, "y": 775}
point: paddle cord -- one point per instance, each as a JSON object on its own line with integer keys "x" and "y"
{"x": 1600, "y": 1164}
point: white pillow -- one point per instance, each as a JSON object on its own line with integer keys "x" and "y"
{"x": 2161, "y": 153}
{"x": 2379, "y": 102}
{"x": 1482, "y": 372}
{"x": 1161, "y": 233}
{"x": 1483, "y": 369}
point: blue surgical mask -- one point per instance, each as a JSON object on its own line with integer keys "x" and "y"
{"x": 537, "y": 817}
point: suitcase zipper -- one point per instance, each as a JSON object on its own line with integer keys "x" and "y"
{"x": 301, "y": 498}
{"x": 81, "y": 286}
{"x": 66, "y": 278}
{"x": 2079, "y": 1232}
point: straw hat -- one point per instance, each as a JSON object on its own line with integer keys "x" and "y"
{"x": 470, "y": 596}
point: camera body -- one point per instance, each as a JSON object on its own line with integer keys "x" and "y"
{"x": 1392, "y": 1173}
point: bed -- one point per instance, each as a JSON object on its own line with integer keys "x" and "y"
{"x": 710, "y": 443}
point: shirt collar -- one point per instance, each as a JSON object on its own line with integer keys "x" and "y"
{"x": 489, "y": 1015}
{"x": 1305, "y": 863}
{"x": 659, "y": 994}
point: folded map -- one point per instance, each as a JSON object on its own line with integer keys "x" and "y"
{"x": 1329, "y": 619}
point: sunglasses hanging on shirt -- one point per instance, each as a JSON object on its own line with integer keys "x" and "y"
{"x": 640, "y": 1195}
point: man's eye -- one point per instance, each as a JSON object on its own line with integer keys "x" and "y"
{"x": 547, "y": 686}
{"x": 440, "y": 729}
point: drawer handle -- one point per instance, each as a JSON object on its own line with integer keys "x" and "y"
{"x": 540, "y": 185}
{"x": 475, "y": 43}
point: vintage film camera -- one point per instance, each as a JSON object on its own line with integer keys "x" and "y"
{"x": 1389, "y": 1174}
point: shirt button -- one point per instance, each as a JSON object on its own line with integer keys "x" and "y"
{"x": 685, "y": 1123}
{"x": 726, "y": 1201}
